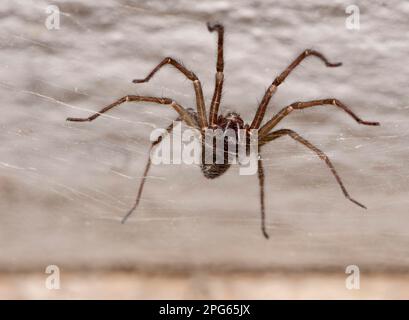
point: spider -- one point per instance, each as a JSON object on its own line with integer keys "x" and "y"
{"x": 198, "y": 119}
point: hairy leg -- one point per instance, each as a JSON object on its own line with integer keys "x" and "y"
{"x": 183, "y": 113}
{"x": 308, "y": 104}
{"x": 217, "y": 95}
{"x": 201, "y": 108}
{"x": 262, "y": 207}
{"x": 258, "y": 118}
{"x": 279, "y": 133}
{"x": 145, "y": 173}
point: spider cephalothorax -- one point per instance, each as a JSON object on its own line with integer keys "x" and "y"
{"x": 232, "y": 121}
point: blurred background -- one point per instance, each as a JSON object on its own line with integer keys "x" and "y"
{"x": 65, "y": 186}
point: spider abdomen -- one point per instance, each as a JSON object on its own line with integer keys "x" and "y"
{"x": 219, "y": 149}
{"x": 211, "y": 171}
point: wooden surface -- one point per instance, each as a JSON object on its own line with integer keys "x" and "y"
{"x": 129, "y": 285}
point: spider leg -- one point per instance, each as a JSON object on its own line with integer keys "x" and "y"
{"x": 183, "y": 113}
{"x": 258, "y": 118}
{"x": 145, "y": 173}
{"x": 217, "y": 95}
{"x": 308, "y": 104}
{"x": 279, "y": 133}
{"x": 260, "y": 172}
{"x": 201, "y": 108}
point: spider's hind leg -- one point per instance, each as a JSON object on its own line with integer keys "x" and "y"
{"x": 282, "y": 132}
{"x": 260, "y": 171}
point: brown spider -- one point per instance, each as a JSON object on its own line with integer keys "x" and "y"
{"x": 233, "y": 121}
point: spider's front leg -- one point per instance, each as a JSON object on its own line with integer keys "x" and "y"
{"x": 282, "y": 132}
{"x": 201, "y": 108}
{"x": 258, "y": 118}
{"x": 217, "y": 95}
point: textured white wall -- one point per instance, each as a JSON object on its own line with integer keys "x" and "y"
{"x": 65, "y": 186}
